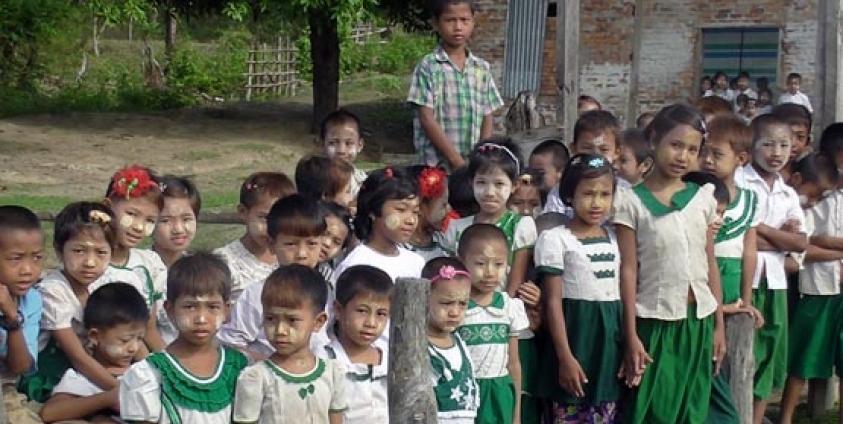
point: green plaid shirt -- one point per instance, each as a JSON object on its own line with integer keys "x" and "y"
{"x": 459, "y": 99}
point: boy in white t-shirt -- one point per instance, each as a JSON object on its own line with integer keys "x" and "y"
{"x": 793, "y": 94}
{"x": 341, "y": 138}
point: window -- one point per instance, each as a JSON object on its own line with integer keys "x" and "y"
{"x": 734, "y": 50}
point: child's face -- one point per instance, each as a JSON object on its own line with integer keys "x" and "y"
{"x": 455, "y": 24}
{"x": 297, "y": 250}
{"x": 334, "y": 238}
{"x": 593, "y": 199}
{"x": 118, "y": 345}
{"x": 398, "y": 219}
{"x": 743, "y": 83}
{"x": 345, "y": 197}
{"x": 434, "y": 211}
{"x": 486, "y": 263}
{"x": 677, "y": 152}
{"x": 800, "y": 140}
{"x": 363, "y": 319}
{"x": 288, "y": 329}
{"x": 628, "y": 166}
{"x": 447, "y": 304}
{"x": 810, "y": 192}
{"x": 176, "y": 225}
{"x": 492, "y": 189}
{"x": 198, "y": 318}
{"x": 721, "y": 82}
{"x": 343, "y": 141}
{"x": 136, "y": 220}
{"x": 86, "y": 256}
{"x": 525, "y": 200}
{"x": 550, "y": 173}
{"x": 772, "y": 150}
{"x": 763, "y": 99}
{"x": 255, "y": 220}
{"x": 720, "y": 160}
{"x": 21, "y": 259}
{"x": 706, "y": 85}
{"x": 793, "y": 85}
{"x": 603, "y": 143}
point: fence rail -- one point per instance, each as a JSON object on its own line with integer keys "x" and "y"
{"x": 272, "y": 69}
{"x": 204, "y": 217}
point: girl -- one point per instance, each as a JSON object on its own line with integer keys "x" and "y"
{"x": 580, "y": 263}
{"x": 387, "y": 215}
{"x": 494, "y": 167}
{"x": 337, "y": 237}
{"x": 134, "y": 197}
{"x": 433, "y": 211}
{"x": 192, "y": 381}
{"x": 326, "y": 179}
{"x": 670, "y": 283}
{"x": 177, "y": 222}
{"x": 526, "y": 197}
{"x": 451, "y": 368}
{"x": 83, "y": 240}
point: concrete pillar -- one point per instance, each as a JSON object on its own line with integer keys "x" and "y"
{"x": 568, "y": 63}
{"x": 830, "y": 40}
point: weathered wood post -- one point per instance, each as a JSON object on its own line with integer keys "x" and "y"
{"x": 739, "y": 364}
{"x": 411, "y": 398}
{"x": 568, "y": 63}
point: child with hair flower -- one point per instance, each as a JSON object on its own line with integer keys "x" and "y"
{"x": 434, "y": 211}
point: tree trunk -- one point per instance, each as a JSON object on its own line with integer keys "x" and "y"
{"x": 739, "y": 365}
{"x": 325, "y": 56}
{"x": 96, "y": 34}
{"x": 170, "y": 22}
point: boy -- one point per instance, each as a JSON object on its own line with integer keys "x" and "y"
{"x": 295, "y": 226}
{"x": 744, "y": 88}
{"x": 780, "y": 230}
{"x": 595, "y": 132}
{"x": 793, "y": 95}
{"x": 446, "y": 126}
{"x": 800, "y": 122}
{"x": 327, "y": 179}
{"x": 636, "y": 156}
{"x": 341, "y": 138}
{"x": 549, "y": 157}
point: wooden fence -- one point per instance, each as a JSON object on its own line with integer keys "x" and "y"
{"x": 272, "y": 69}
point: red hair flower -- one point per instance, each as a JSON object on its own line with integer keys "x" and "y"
{"x": 451, "y": 216}
{"x": 132, "y": 182}
{"x": 432, "y": 182}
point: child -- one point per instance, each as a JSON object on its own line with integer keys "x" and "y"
{"x": 800, "y": 122}
{"x": 721, "y": 88}
{"x": 342, "y": 139}
{"x": 433, "y": 211}
{"x": 461, "y": 193}
{"x": 813, "y": 177}
{"x": 780, "y": 230}
{"x": 326, "y": 179}
{"x": 337, "y": 235}
{"x": 452, "y": 371}
{"x": 387, "y": 215}
{"x": 492, "y": 324}
{"x": 712, "y": 106}
{"x": 636, "y": 156}
{"x": 135, "y": 199}
{"x": 494, "y": 167}
{"x": 586, "y": 104}
{"x": 193, "y": 380}
{"x": 793, "y": 95}
{"x": 83, "y": 240}
{"x": 670, "y": 287}
{"x": 361, "y": 311}
{"x": 526, "y": 199}
{"x": 831, "y": 146}
{"x": 251, "y": 258}
{"x": 296, "y": 225}
{"x": 765, "y": 100}
{"x": 115, "y": 322}
{"x": 549, "y": 157}
{"x": 293, "y": 385}
{"x": 580, "y": 262}
{"x": 177, "y": 222}
{"x": 21, "y": 263}
{"x": 744, "y": 88}
{"x": 705, "y": 85}
{"x": 446, "y": 126}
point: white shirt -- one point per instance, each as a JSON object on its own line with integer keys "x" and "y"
{"x": 826, "y": 218}
{"x": 245, "y": 267}
{"x": 406, "y": 264}
{"x": 487, "y": 330}
{"x": 727, "y": 95}
{"x": 244, "y": 328}
{"x": 740, "y": 216}
{"x": 775, "y": 207}
{"x": 61, "y": 308}
{"x": 76, "y": 384}
{"x": 798, "y": 98}
{"x": 366, "y": 384}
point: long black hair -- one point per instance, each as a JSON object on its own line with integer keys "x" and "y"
{"x": 381, "y": 186}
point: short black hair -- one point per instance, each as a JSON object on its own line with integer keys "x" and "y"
{"x": 794, "y": 114}
{"x": 500, "y": 152}
{"x": 80, "y": 217}
{"x": 815, "y": 166}
{"x": 178, "y": 187}
{"x": 341, "y": 213}
{"x": 114, "y": 304}
{"x": 721, "y": 192}
{"x": 272, "y": 184}
{"x": 362, "y": 279}
{"x": 794, "y": 75}
{"x": 635, "y": 140}
{"x": 321, "y": 177}
{"x": 831, "y": 141}
{"x": 339, "y": 117}
{"x": 762, "y": 123}
{"x": 596, "y": 122}
{"x": 198, "y": 274}
{"x": 432, "y": 267}
{"x": 381, "y": 186}
{"x": 437, "y": 7}
{"x": 580, "y": 167}
{"x": 461, "y": 193}
{"x": 557, "y": 149}
{"x": 480, "y": 233}
{"x": 290, "y": 286}
{"x": 296, "y": 215}
{"x": 14, "y": 217}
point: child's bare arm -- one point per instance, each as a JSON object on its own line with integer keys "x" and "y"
{"x": 827, "y": 242}
{"x": 784, "y": 241}
{"x": 749, "y": 262}
{"x": 717, "y": 290}
{"x": 153, "y": 338}
{"x": 438, "y": 138}
{"x": 62, "y": 406}
{"x": 335, "y": 417}
{"x": 571, "y": 376}
{"x": 819, "y": 254}
{"x": 81, "y": 361}
{"x": 18, "y": 358}
{"x": 514, "y": 367}
{"x": 488, "y": 128}
{"x": 636, "y": 358}
{"x": 518, "y": 270}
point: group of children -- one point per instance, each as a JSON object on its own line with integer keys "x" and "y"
{"x": 749, "y": 103}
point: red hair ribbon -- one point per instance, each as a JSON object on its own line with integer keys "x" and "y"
{"x": 432, "y": 182}
{"x": 451, "y": 216}
{"x": 132, "y": 182}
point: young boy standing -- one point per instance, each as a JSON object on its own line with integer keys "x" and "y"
{"x": 780, "y": 231}
{"x": 342, "y": 138}
{"x": 453, "y": 91}
{"x": 793, "y": 94}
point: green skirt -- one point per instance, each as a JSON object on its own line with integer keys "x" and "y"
{"x": 531, "y": 407}
{"x": 722, "y": 407}
{"x": 594, "y": 335}
{"x": 676, "y": 387}
{"x": 52, "y": 364}
{"x": 730, "y": 278}
{"x": 497, "y": 400}
{"x": 770, "y": 344}
{"x": 816, "y": 335}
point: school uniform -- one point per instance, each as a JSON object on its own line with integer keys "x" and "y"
{"x": 590, "y": 270}
{"x": 454, "y": 385}
{"x": 677, "y": 334}
{"x": 776, "y": 206}
{"x": 246, "y": 268}
{"x": 368, "y": 383}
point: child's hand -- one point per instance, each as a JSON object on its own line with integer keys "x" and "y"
{"x": 791, "y": 226}
{"x": 529, "y": 293}
{"x": 719, "y": 348}
{"x": 734, "y": 308}
{"x": 114, "y": 398}
{"x": 534, "y": 315}
{"x": 571, "y": 377}
{"x": 714, "y": 227}
{"x": 7, "y": 304}
{"x": 636, "y": 360}
{"x": 756, "y": 315}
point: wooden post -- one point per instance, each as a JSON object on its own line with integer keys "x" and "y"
{"x": 632, "y": 107}
{"x": 568, "y": 64}
{"x": 411, "y": 398}
{"x": 829, "y": 102}
{"x": 739, "y": 365}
